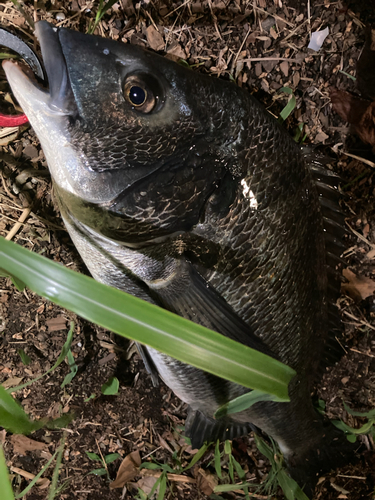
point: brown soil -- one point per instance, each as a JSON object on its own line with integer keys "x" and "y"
{"x": 219, "y": 37}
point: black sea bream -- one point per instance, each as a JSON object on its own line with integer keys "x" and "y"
{"x": 184, "y": 191}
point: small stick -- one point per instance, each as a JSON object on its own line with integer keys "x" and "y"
{"x": 272, "y": 15}
{"x": 359, "y": 158}
{"x": 18, "y": 224}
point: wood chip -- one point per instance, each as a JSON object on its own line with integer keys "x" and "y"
{"x": 55, "y": 324}
{"x": 154, "y": 38}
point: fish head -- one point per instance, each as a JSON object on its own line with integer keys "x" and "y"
{"x": 128, "y": 135}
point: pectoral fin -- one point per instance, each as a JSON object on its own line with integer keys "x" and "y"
{"x": 185, "y": 292}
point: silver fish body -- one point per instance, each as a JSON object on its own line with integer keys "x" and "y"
{"x": 182, "y": 190}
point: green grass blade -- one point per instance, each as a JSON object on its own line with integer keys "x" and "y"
{"x": 289, "y": 108}
{"x": 218, "y": 460}
{"x": 368, "y": 414}
{"x": 6, "y": 487}
{"x": 38, "y": 476}
{"x": 13, "y": 417}
{"x": 148, "y": 324}
{"x": 244, "y": 402}
{"x": 290, "y": 488}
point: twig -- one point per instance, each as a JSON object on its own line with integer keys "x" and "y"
{"x": 293, "y": 32}
{"x": 177, "y": 8}
{"x": 361, "y": 321}
{"x": 18, "y": 224}
{"x": 254, "y": 59}
{"x": 360, "y": 236}
{"x": 239, "y": 50}
{"x": 101, "y": 454}
{"x": 309, "y": 16}
{"x": 365, "y": 354}
{"x": 359, "y": 158}
{"x": 352, "y": 477}
{"x": 272, "y": 15}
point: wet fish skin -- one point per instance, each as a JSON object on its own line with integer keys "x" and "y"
{"x": 205, "y": 206}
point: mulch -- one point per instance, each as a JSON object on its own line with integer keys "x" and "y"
{"x": 263, "y": 46}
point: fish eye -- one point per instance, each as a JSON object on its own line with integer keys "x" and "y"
{"x": 139, "y": 94}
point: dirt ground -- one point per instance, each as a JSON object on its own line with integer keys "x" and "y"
{"x": 262, "y": 44}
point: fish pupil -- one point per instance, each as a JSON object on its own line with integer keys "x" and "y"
{"x": 137, "y": 95}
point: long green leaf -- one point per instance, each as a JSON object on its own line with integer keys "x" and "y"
{"x": 13, "y": 417}
{"x": 148, "y": 324}
{"x": 6, "y": 487}
{"x": 243, "y": 403}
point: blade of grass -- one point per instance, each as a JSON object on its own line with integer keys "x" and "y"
{"x": 13, "y": 417}
{"x": 243, "y": 403}
{"x": 64, "y": 352}
{"x": 218, "y": 460}
{"x": 285, "y": 112}
{"x": 6, "y": 487}
{"x": 148, "y": 324}
{"x": 56, "y": 471}
{"x": 38, "y": 476}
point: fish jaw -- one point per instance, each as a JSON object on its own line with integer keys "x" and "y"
{"x": 49, "y": 126}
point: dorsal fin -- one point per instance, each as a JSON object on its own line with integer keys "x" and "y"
{"x": 334, "y": 232}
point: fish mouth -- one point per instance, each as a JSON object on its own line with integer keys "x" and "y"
{"x": 59, "y": 98}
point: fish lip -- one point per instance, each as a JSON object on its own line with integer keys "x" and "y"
{"x": 61, "y": 99}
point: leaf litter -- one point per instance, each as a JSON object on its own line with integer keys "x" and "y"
{"x": 263, "y": 45}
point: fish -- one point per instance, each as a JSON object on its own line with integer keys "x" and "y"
{"x": 181, "y": 189}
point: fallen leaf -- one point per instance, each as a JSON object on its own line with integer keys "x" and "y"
{"x": 154, "y": 38}
{"x": 147, "y": 483}
{"x": 21, "y": 444}
{"x": 12, "y": 382}
{"x": 321, "y": 137}
{"x": 127, "y": 471}
{"x": 177, "y": 51}
{"x": 206, "y": 481}
{"x": 358, "y": 287}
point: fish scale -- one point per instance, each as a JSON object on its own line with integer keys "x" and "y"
{"x": 200, "y": 203}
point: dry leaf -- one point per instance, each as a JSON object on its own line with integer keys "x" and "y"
{"x": 21, "y": 444}
{"x": 206, "y": 482}
{"x": 12, "y": 382}
{"x": 358, "y": 287}
{"x": 177, "y": 51}
{"x": 127, "y": 471}
{"x": 154, "y": 38}
{"x": 147, "y": 483}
